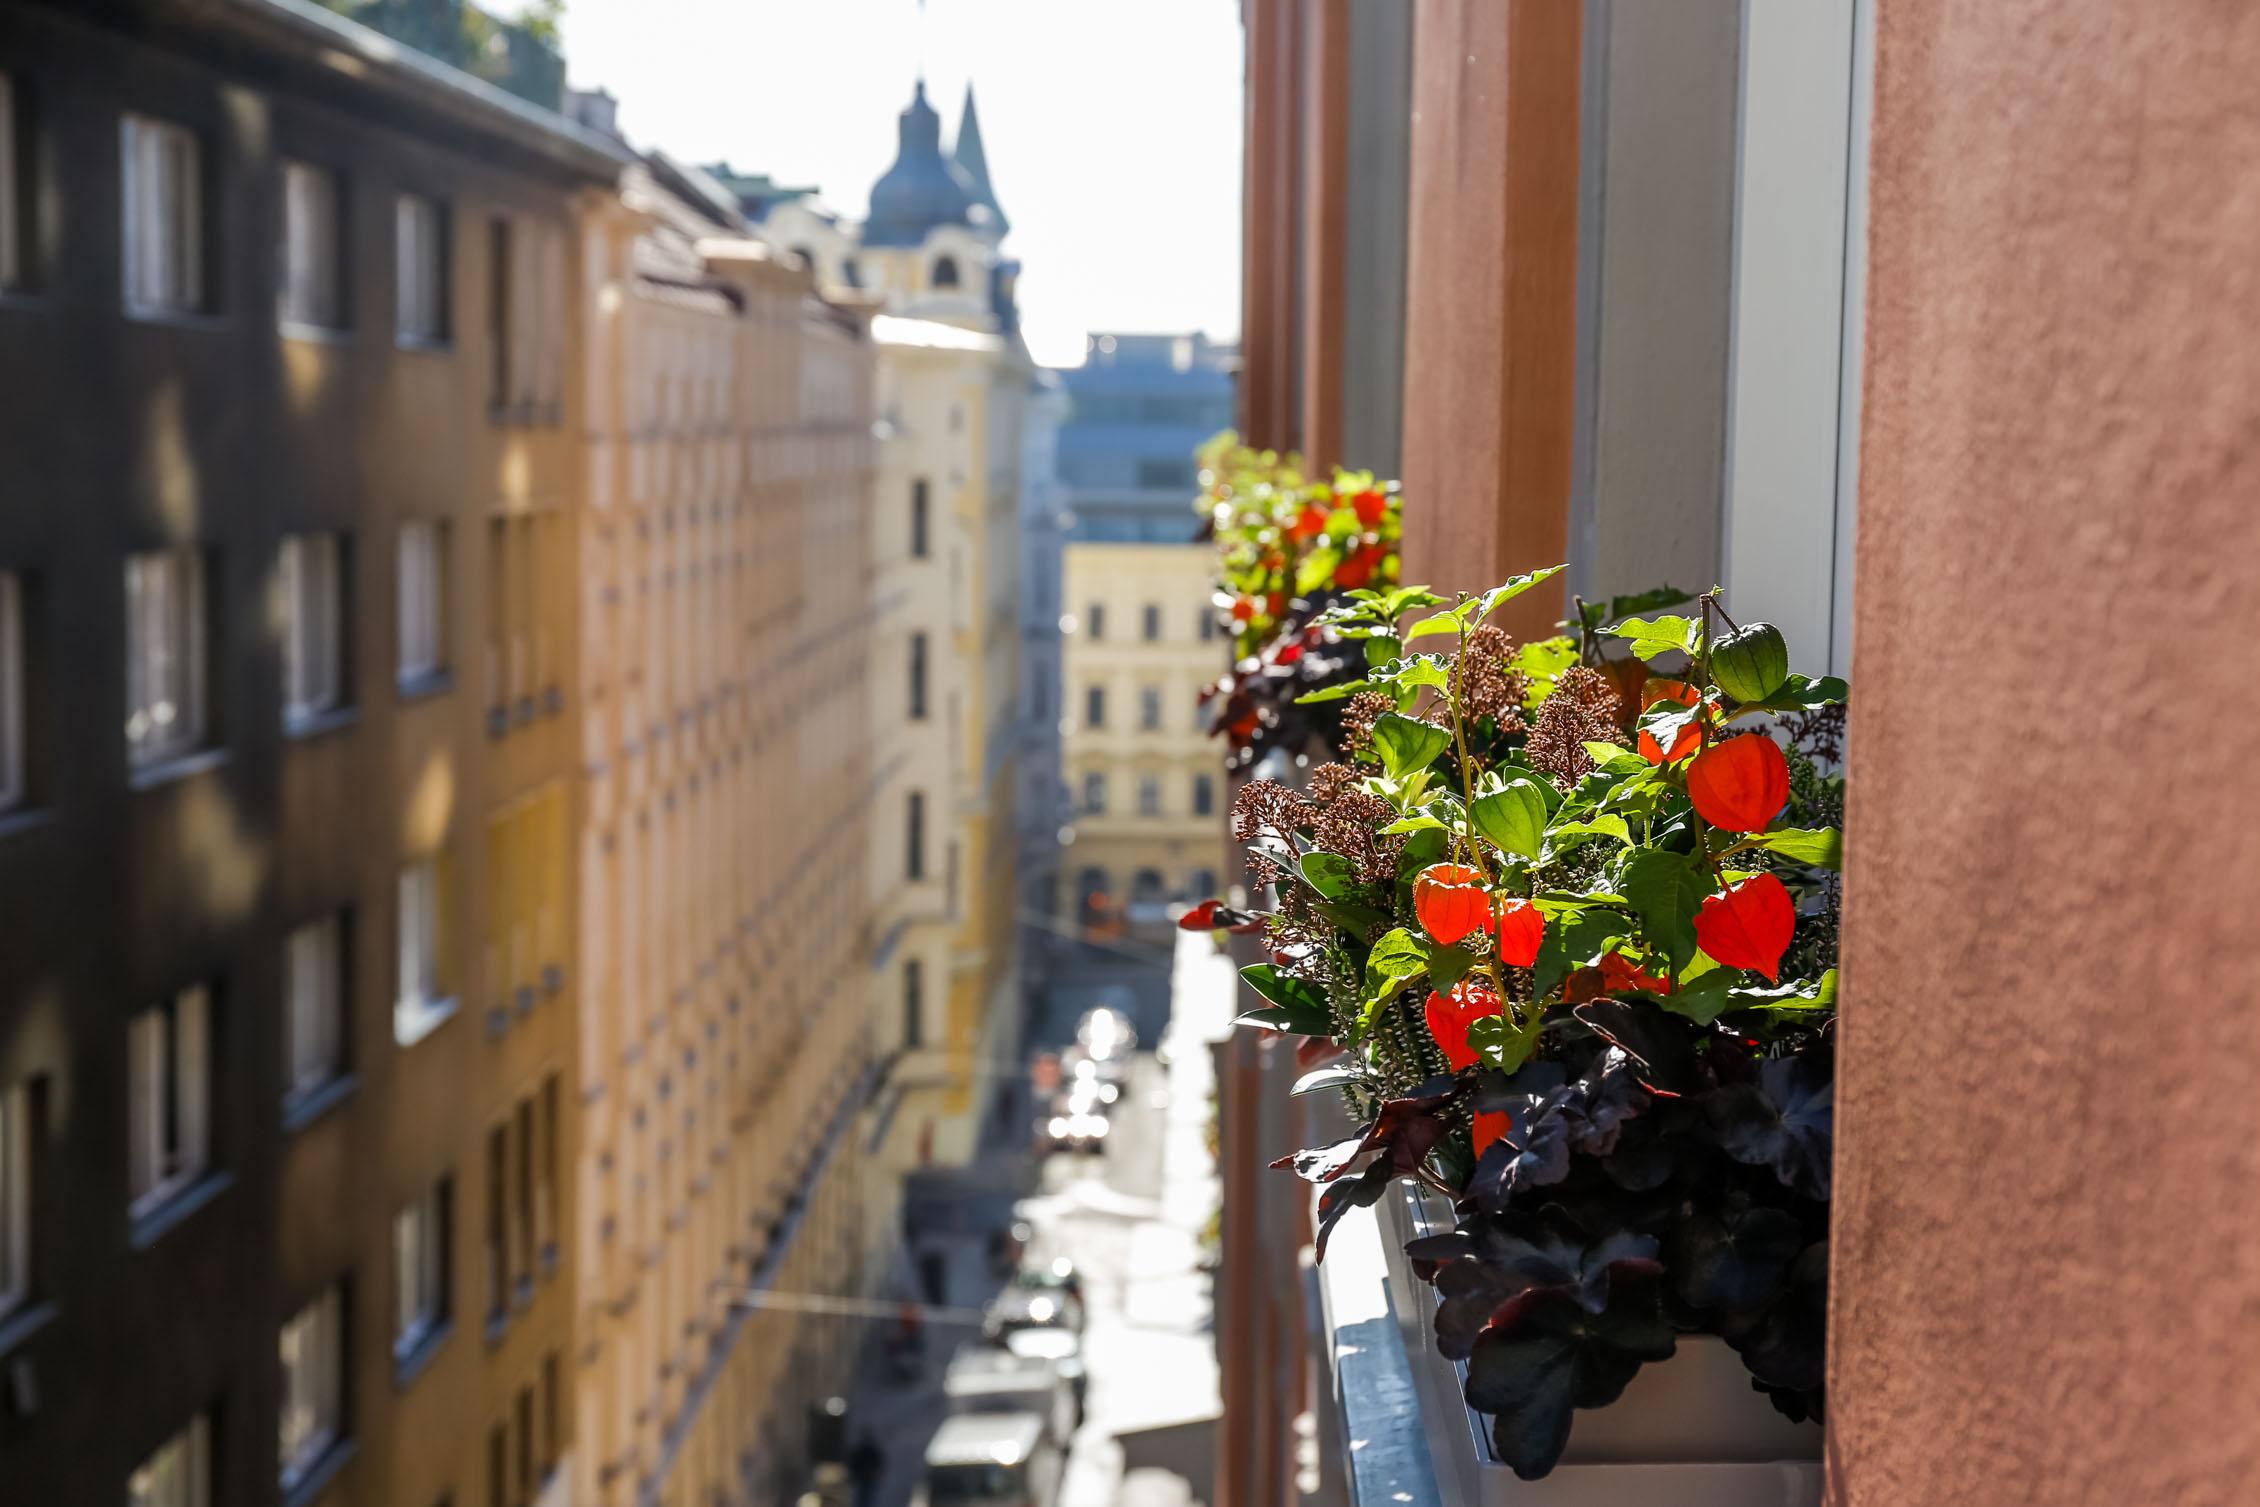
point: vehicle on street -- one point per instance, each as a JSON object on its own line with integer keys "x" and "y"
{"x": 1060, "y": 1345}
{"x": 993, "y": 1460}
{"x": 1056, "y": 1276}
{"x": 1078, "y": 1121}
{"x": 1019, "y": 1307}
{"x": 991, "y": 1379}
{"x": 1104, "y": 1042}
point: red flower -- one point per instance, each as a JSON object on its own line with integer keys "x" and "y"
{"x": 1522, "y": 930}
{"x": 1739, "y": 785}
{"x": 1357, "y": 569}
{"x": 1275, "y": 604}
{"x": 1450, "y": 1015}
{"x": 1448, "y": 902}
{"x": 1748, "y": 925}
{"x": 1372, "y": 507}
{"x": 1615, "y": 974}
{"x": 1243, "y": 608}
{"x": 1689, "y": 738}
{"x": 1308, "y": 524}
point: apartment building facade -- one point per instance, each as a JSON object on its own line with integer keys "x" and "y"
{"x": 725, "y": 797}
{"x": 286, "y": 1057}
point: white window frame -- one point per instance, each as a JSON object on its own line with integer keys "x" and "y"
{"x": 310, "y": 1411}
{"x": 15, "y": 1196}
{"x": 420, "y": 599}
{"x": 1149, "y": 795}
{"x": 161, "y": 173}
{"x": 310, "y": 291}
{"x": 314, "y": 1004}
{"x": 420, "y": 271}
{"x": 420, "y": 1269}
{"x": 1800, "y": 239}
{"x": 169, "y": 1111}
{"x": 12, "y": 776}
{"x": 419, "y": 1002}
{"x": 178, "y": 1473}
{"x": 165, "y": 666}
{"x": 313, "y": 626}
{"x": 1149, "y": 708}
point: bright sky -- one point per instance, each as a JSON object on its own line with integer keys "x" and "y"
{"x": 1112, "y": 127}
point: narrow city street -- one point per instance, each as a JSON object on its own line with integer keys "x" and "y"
{"x": 1131, "y": 1219}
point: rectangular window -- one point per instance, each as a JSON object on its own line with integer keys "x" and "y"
{"x": 419, "y": 1268}
{"x": 1208, "y": 624}
{"x": 1149, "y": 708}
{"x": 918, "y": 677}
{"x": 1152, "y": 624}
{"x": 164, "y": 655}
{"x": 525, "y": 1432}
{"x": 314, "y": 1004}
{"x": 498, "y": 1466}
{"x": 498, "y": 1223}
{"x": 1204, "y": 797}
{"x": 11, "y": 190}
{"x": 164, "y": 217}
{"x": 179, "y": 1474}
{"x": 913, "y": 1003}
{"x": 1149, "y": 795}
{"x": 420, "y": 271}
{"x": 921, "y": 540}
{"x": 419, "y": 1002}
{"x": 1094, "y": 794}
{"x": 500, "y": 321}
{"x": 13, "y": 785}
{"x": 1095, "y": 621}
{"x": 311, "y": 1417}
{"x": 545, "y": 1173}
{"x": 914, "y": 837}
{"x": 522, "y": 1207}
{"x": 552, "y": 1414}
{"x": 1094, "y": 706}
{"x": 313, "y": 612}
{"x": 16, "y": 1122}
{"x": 422, "y": 599}
{"x": 313, "y": 249}
{"x": 169, "y": 1050}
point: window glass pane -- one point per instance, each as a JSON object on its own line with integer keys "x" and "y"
{"x": 312, "y": 1352}
{"x": 15, "y": 1196}
{"x": 312, "y": 1019}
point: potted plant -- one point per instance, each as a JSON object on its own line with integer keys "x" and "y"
{"x": 1561, "y": 925}
{"x": 1288, "y": 547}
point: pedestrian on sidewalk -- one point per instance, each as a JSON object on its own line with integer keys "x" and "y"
{"x": 865, "y": 1462}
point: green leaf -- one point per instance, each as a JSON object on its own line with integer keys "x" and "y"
{"x": 1435, "y": 623}
{"x": 1415, "y": 670}
{"x": 1663, "y": 889}
{"x": 1420, "y": 823}
{"x": 1341, "y": 692}
{"x": 1514, "y": 817}
{"x": 1298, "y": 1006}
{"x": 1507, "y": 590}
{"x": 1574, "y": 938}
{"x": 1316, "y": 570}
{"x": 1613, "y": 757}
{"x": 1653, "y": 637}
{"x": 1646, "y": 601}
{"x": 1382, "y": 648}
{"x": 1703, "y": 998}
{"x": 1324, "y": 1078}
{"x": 1543, "y": 660}
{"x": 1329, "y": 874}
{"x": 1357, "y": 920}
{"x": 1799, "y": 694}
{"x": 1406, "y": 599}
{"x": 1803, "y": 994}
{"x": 1396, "y": 960}
{"x": 1563, "y": 836}
{"x": 1821, "y": 847}
{"x": 1405, "y": 744}
{"x": 1499, "y": 1043}
{"x": 1447, "y": 966}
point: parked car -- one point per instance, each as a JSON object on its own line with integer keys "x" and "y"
{"x": 1018, "y": 1307}
{"x": 993, "y": 1460}
{"x": 1078, "y": 1120}
{"x": 991, "y": 1379}
{"x": 1056, "y": 1276}
{"x": 1063, "y": 1347}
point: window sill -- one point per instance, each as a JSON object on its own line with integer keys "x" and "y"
{"x": 156, "y": 1223}
{"x": 21, "y": 1325}
{"x": 411, "y": 1361}
{"x": 316, "y": 1477}
{"x": 171, "y": 771}
{"x": 315, "y": 724}
{"x": 413, "y": 1024}
{"x": 423, "y": 683}
{"x": 305, "y": 1107}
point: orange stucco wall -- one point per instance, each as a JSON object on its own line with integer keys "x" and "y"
{"x": 2047, "y": 1266}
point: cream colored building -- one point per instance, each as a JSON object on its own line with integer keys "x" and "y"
{"x": 1141, "y": 769}
{"x": 722, "y": 815}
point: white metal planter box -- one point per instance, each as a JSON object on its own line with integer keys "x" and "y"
{"x": 1688, "y": 1432}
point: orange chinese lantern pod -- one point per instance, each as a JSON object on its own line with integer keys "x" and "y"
{"x": 1522, "y": 931}
{"x": 1372, "y": 507}
{"x": 1690, "y": 737}
{"x": 1357, "y": 568}
{"x": 1739, "y": 785}
{"x": 1308, "y": 524}
{"x": 1748, "y": 925}
{"x": 1448, "y": 901}
{"x": 1449, "y": 1016}
{"x": 1489, "y": 1128}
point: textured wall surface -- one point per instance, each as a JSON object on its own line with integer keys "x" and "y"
{"x": 2048, "y": 1246}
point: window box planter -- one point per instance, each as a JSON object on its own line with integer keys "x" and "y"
{"x": 1689, "y": 1431}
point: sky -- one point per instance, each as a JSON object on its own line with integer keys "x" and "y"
{"x": 1112, "y": 128}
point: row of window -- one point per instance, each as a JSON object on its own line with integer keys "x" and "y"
{"x": 169, "y": 638}
{"x": 1095, "y": 892}
{"x": 1150, "y": 703}
{"x": 171, "y": 240}
{"x": 1202, "y": 793}
{"x": 1150, "y": 622}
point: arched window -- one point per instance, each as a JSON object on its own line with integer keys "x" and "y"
{"x": 1090, "y": 891}
{"x": 1146, "y": 888}
{"x": 913, "y": 1003}
{"x": 945, "y": 271}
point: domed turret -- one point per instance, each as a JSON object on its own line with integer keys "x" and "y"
{"x": 923, "y": 188}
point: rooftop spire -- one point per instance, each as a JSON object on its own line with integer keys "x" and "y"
{"x": 969, "y": 155}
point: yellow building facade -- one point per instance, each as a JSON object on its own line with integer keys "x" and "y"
{"x": 1140, "y": 641}
{"x": 721, "y": 829}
